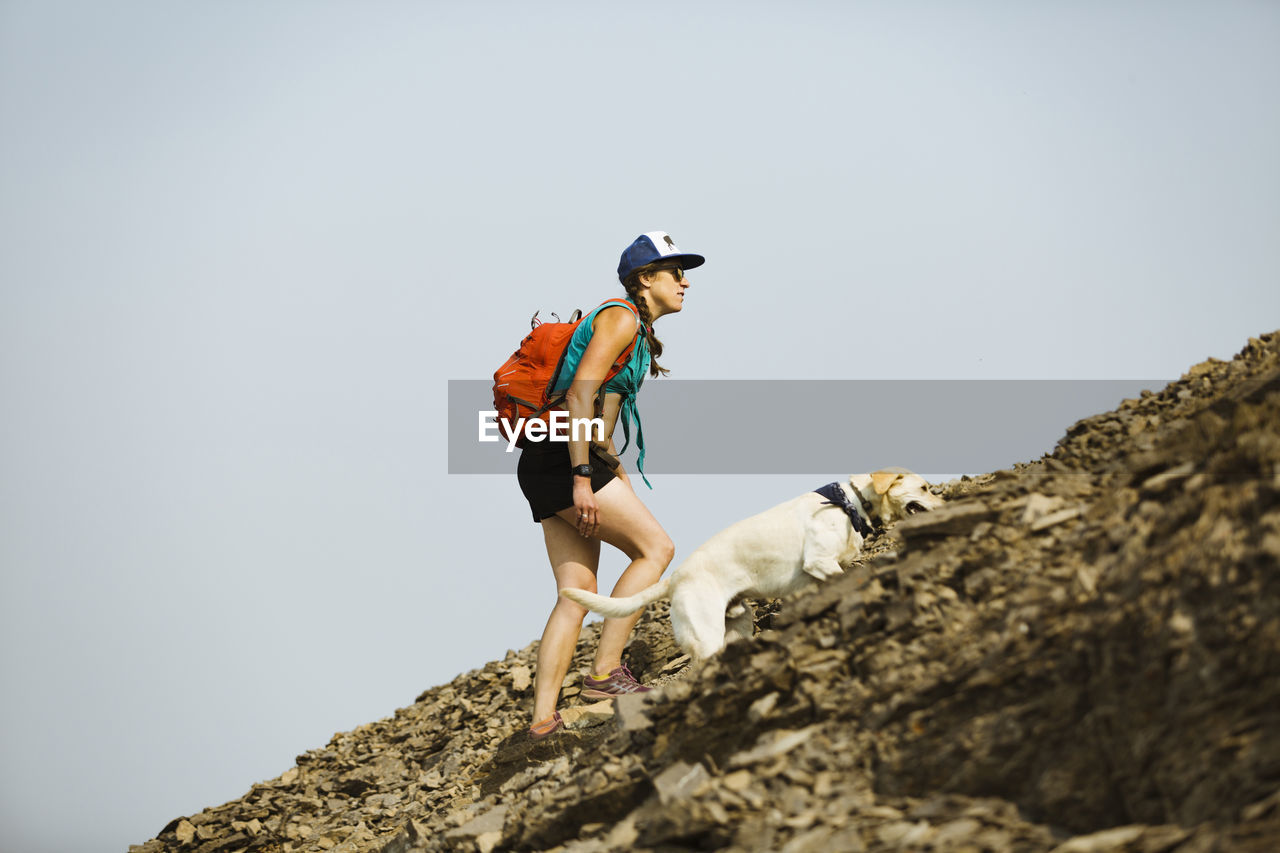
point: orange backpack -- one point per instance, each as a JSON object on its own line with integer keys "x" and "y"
{"x": 521, "y": 386}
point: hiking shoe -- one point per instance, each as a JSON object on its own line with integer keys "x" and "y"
{"x": 549, "y": 726}
{"x": 619, "y": 683}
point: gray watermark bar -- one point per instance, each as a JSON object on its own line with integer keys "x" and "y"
{"x": 820, "y": 426}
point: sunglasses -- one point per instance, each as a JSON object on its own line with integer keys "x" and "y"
{"x": 678, "y": 274}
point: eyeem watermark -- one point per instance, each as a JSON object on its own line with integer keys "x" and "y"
{"x": 824, "y": 427}
{"x": 560, "y": 428}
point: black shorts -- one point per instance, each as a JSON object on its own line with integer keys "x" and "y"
{"x": 545, "y": 479}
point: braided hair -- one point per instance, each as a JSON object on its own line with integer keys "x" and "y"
{"x": 633, "y": 288}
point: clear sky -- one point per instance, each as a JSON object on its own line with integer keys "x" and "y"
{"x": 244, "y": 246}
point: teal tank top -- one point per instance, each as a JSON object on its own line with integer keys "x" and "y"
{"x": 627, "y": 382}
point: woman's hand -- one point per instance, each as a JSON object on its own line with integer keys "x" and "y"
{"x": 584, "y": 502}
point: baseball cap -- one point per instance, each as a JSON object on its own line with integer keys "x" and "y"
{"x": 655, "y": 246}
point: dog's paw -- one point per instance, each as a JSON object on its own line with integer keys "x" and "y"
{"x": 823, "y": 569}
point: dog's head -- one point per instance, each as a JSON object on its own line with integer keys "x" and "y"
{"x": 892, "y": 494}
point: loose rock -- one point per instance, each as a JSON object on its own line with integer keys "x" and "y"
{"x": 1078, "y": 653}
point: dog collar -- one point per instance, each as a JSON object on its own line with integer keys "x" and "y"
{"x": 836, "y": 496}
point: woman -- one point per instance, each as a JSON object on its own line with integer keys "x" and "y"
{"x": 579, "y": 492}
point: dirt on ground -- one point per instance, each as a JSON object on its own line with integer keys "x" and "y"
{"x": 1081, "y": 653}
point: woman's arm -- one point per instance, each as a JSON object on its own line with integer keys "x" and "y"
{"x": 612, "y": 330}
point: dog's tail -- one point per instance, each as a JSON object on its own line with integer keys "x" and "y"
{"x": 614, "y": 607}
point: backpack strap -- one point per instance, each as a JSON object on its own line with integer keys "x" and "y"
{"x": 625, "y": 355}
{"x": 626, "y": 303}
{"x": 549, "y": 401}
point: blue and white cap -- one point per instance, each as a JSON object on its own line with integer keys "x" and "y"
{"x": 655, "y": 246}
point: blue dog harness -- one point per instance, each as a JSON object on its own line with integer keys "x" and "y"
{"x": 835, "y": 495}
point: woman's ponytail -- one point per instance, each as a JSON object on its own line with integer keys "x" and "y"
{"x": 633, "y": 288}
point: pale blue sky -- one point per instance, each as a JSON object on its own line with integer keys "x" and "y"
{"x": 243, "y": 246}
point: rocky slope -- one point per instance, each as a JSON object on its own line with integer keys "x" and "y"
{"x": 1081, "y": 653}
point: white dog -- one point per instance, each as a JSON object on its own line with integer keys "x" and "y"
{"x": 809, "y": 538}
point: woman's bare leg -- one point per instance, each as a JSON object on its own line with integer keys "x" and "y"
{"x": 626, "y": 524}
{"x": 574, "y": 561}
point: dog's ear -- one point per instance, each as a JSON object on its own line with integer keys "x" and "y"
{"x": 881, "y": 481}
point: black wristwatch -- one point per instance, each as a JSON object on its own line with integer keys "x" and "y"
{"x": 582, "y": 470}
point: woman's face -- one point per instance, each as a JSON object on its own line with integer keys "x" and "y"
{"x": 664, "y": 291}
